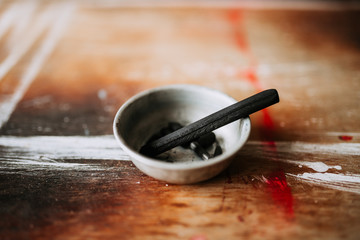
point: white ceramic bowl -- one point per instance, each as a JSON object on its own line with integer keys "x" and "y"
{"x": 147, "y": 112}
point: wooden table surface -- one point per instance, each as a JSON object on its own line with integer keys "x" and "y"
{"x": 65, "y": 69}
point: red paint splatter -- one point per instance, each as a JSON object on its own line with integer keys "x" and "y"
{"x": 281, "y": 192}
{"x": 268, "y": 122}
{"x": 236, "y": 18}
{"x": 345, "y": 138}
{"x": 268, "y": 125}
{"x": 251, "y": 76}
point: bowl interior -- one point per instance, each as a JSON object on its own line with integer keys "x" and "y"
{"x": 145, "y": 114}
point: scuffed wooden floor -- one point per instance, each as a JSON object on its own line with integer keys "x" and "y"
{"x": 66, "y": 68}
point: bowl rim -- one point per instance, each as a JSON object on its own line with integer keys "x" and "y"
{"x": 136, "y": 156}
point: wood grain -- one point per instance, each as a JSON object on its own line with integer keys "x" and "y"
{"x": 62, "y": 175}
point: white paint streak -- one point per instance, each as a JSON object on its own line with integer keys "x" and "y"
{"x": 22, "y": 44}
{"x": 353, "y": 134}
{"x": 343, "y": 182}
{"x": 316, "y": 166}
{"x": 31, "y": 154}
{"x": 7, "y": 18}
{"x": 59, "y": 148}
{"x": 49, "y": 164}
{"x": 8, "y": 106}
{"x": 23, "y": 23}
{"x": 334, "y": 148}
{"x": 316, "y": 148}
{"x": 105, "y": 147}
{"x": 30, "y": 167}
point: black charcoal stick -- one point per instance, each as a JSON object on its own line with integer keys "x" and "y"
{"x": 211, "y": 122}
